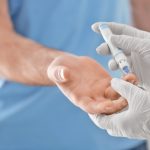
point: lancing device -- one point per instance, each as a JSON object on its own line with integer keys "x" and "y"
{"x": 117, "y": 54}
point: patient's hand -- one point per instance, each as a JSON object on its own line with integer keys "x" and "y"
{"x": 86, "y": 84}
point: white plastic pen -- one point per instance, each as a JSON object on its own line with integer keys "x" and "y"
{"x": 117, "y": 54}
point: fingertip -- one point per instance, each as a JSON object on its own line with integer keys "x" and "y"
{"x": 120, "y": 103}
{"x": 103, "y": 49}
{"x": 131, "y": 78}
{"x": 95, "y": 28}
{"x": 112, "y": 64}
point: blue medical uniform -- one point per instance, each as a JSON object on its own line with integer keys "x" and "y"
{"x": 39, "y": 117}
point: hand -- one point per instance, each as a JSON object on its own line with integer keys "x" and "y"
{"x": 135, "y": 44}
{"x": 84, "y": 82}
{"x": 133, "y": 122}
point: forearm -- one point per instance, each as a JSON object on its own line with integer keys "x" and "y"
{"x": 5, "y": 22}
{"x": 25, "y": 61}
{"x": 22, "y": 60}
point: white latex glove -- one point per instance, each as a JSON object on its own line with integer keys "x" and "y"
{"x": 135, "y": 44}
{"x": 133, "y": 122}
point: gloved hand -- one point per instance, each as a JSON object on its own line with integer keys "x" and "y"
{"x": 135, "y": 44}
{"x": 134, "y": 122}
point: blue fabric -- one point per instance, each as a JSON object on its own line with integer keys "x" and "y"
{"x": 143, "y": 146}
{"x": 38, "y": 118}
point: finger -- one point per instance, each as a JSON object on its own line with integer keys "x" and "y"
{"x": 130, "y": 77}
{"x": 116, "y": 28}
{"x": 110, "y": 93}
{"x": 128, "y": 44}
{"x": 114, "y": 106}
{"x": 123, "y": 29}
{"x": 125, "y": 89}
{"x": 104, "y": 107}
{"x": 58, "y": 74}
{"x": 95, "y": 27}
{"x": 88, "y": 105}
{"x": 103, "y": 49}
{"x": 112, "y": 65}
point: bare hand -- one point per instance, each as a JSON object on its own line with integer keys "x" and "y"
{"x": 84, "y": 82}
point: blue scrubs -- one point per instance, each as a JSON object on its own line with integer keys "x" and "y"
{"x": 35, "y": 118}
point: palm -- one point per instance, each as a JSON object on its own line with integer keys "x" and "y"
{"x": 87, "y": 78}
{"x": 87, "y": 84}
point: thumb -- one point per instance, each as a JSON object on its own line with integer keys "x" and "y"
{"x": 124, "y": 88}
{"x": 58, "y": 74}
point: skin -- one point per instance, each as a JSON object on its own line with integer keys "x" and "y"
{"x": 141, "y": 14}
{"x": 110, "y": 93}
{"x": 87, "y": 86}
{"x": 25, "y": 61}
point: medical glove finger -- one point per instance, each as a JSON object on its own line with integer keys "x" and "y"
{"x": 112, "y": 64}
{"x": 125, "y": 89}
{"x": 103, "y": 49}
{"x": 116, "y": 28}
{"x": 95, "y": 27}
{"x": 128, "y": 44}
{"x": 123, "y": 29}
